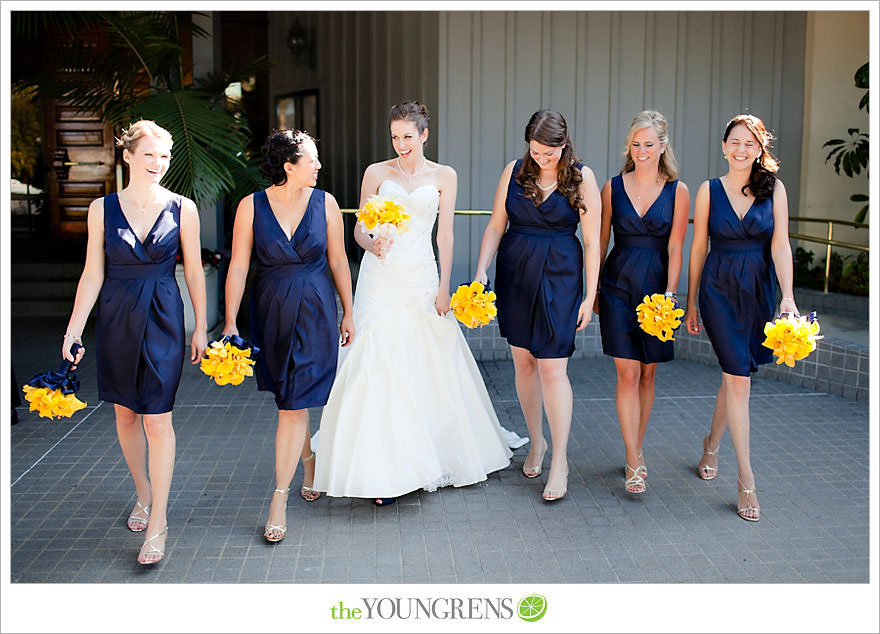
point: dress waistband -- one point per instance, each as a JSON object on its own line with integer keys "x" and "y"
{"x": 291, "y": 269}
{"x": 644, "y": 242}
{"x": 722, "y": 244}
{"x": 540, "y": 231}
{"x": 140, "y": 271}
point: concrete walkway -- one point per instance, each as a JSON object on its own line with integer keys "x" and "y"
{"x": 71, "y": 494}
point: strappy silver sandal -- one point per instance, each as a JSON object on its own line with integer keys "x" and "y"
{"x": 742, "y": 511}
{"x": 152, "y": 549}
{"x": 706, "y": 472}
{"x": 135, "y": 519}
{"x": 271, "y": 529}
{"x": 635, "y": 484}
{"x": 309, "y": 494}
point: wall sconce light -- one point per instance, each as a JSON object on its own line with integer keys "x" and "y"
{"x": 301, "y": 42}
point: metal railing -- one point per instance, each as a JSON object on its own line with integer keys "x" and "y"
{"x": 828, "y": 241}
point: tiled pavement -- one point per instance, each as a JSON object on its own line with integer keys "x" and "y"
{"x": 71, "y": 494}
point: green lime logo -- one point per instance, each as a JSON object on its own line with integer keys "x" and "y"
{"x": 532, "y": 608}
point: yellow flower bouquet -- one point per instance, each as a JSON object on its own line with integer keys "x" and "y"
{"x": 473, "y": 304}
{"x": 384, "y": 217}
{"x": 659, "y": 316}
{"x": 228, "y": 361}
{"x": 53, "y": 394}
{"x": 792, "y": 337}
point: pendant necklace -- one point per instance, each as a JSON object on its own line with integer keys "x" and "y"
{"x": 415, "y": 172}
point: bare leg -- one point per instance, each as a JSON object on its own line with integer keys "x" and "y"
{"x": 646, "y": 404}
{"x": 628, "y": 415}
{"x": 738, "y": 390}
{"x": 134, "y": 449}
{"x": 289, "y": 439}
{"x": 308, "y": 462}
{"x": 162, "y": 445}
{"x": 528, "y": 391}
{"x": 708, "y": 466}
{"x": 558, "y": 404}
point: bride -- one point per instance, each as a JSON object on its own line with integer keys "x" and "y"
{"x": 408, "y": 409}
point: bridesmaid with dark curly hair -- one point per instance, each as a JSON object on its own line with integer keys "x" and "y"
{"x": 541, "y": 275}
{"x": 296, "y": 234}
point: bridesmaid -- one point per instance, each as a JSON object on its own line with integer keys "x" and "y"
{"x": 296, "y": 233}
{"x": 648, "y": 209}
{"x": 133, "y": 240}
{"x": 539, "y": 279}
{"x": 745, "y": 213}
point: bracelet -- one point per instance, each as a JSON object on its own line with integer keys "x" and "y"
{"x": 668, "y": 294}
{"x": 66, "y": 335}
{"x": 785, "y": 298}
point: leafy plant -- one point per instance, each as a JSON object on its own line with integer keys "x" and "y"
{"x": 851, "y": 154}
{"x": 849, "y": 274}
{"x": 141, "y": 74}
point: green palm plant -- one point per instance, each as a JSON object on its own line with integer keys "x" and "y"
{"x": 851, "y": 154}
{"x": 141, "y": 74}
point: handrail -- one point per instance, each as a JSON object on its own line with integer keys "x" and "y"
{"x": 828, "y": 241}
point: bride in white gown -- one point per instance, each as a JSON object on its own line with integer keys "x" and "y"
{"x": 408, "y": 409}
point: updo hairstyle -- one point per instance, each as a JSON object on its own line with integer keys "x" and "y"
{"x": 282, "y": 146}
{"x": 131, "y": 135}
{"x": 411, "y": 111}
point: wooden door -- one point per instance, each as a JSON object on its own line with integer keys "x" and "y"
{"x": 81, "y": 153}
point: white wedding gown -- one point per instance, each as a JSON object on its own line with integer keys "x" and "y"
{"x": 408, "y": 409}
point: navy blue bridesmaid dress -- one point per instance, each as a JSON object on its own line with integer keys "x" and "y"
{"x": 139, "y": 331}
{"x": 539, "y": 273}
{"x": 738, "y": 284}
{"x": 637, "y": 266}
{"x": 293, "y": 307}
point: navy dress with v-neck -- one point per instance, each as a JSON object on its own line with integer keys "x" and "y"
{"x": 539, "y": 273}
{"x": 293, "y": 306}
{"x": 738, "y": 284}
{"x": 139, "y": 331}
{"x": 637, "y": 266}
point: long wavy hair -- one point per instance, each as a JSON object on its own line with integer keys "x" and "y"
{"x": 762, "y": 179}
{"x": 651, "y": 118}
{"x": 548, "y": 128}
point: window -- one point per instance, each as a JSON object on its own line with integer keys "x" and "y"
{"x": 298, "y": 111}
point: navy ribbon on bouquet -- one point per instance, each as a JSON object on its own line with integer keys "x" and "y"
{"x": 63, "y": 378}
{"x": 239, "y": 342}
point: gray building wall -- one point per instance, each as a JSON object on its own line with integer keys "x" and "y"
{"x": 599, "y": 69}
{"x": 483, "y": 73}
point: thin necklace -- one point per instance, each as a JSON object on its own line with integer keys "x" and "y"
{"x": 547, "y": 188}
{"x": 657, "y": 182}
{"x": 415, "y": 172}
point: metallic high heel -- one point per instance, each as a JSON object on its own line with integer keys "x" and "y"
{"x": 135, "y": 519}
{"x": 152, "y": 549}
{"x": 309, "y": 494}
{"x": 533, "y": 471}
{"x": 741, "y": 511}
{"x": 552, "y": 495}
{"x": 635, "y": 484}
{"x": 279, "y": 528}
{"x": 706, "y": 472}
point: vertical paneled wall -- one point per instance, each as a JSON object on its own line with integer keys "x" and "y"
{"x": 599, "y": 69}
{"x": 365, "y": 62}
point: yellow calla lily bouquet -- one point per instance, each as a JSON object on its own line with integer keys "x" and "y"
{"x": 228, "y": 361}
{"x": 383, "y": 216}
{"x": 792, "y": 337}
{"x": 473, "y": 304}
{"x": 49, "y": 403}
{"x": 659, "y": 316}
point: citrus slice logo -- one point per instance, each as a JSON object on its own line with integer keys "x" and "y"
{"x": 532, "y": 608}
